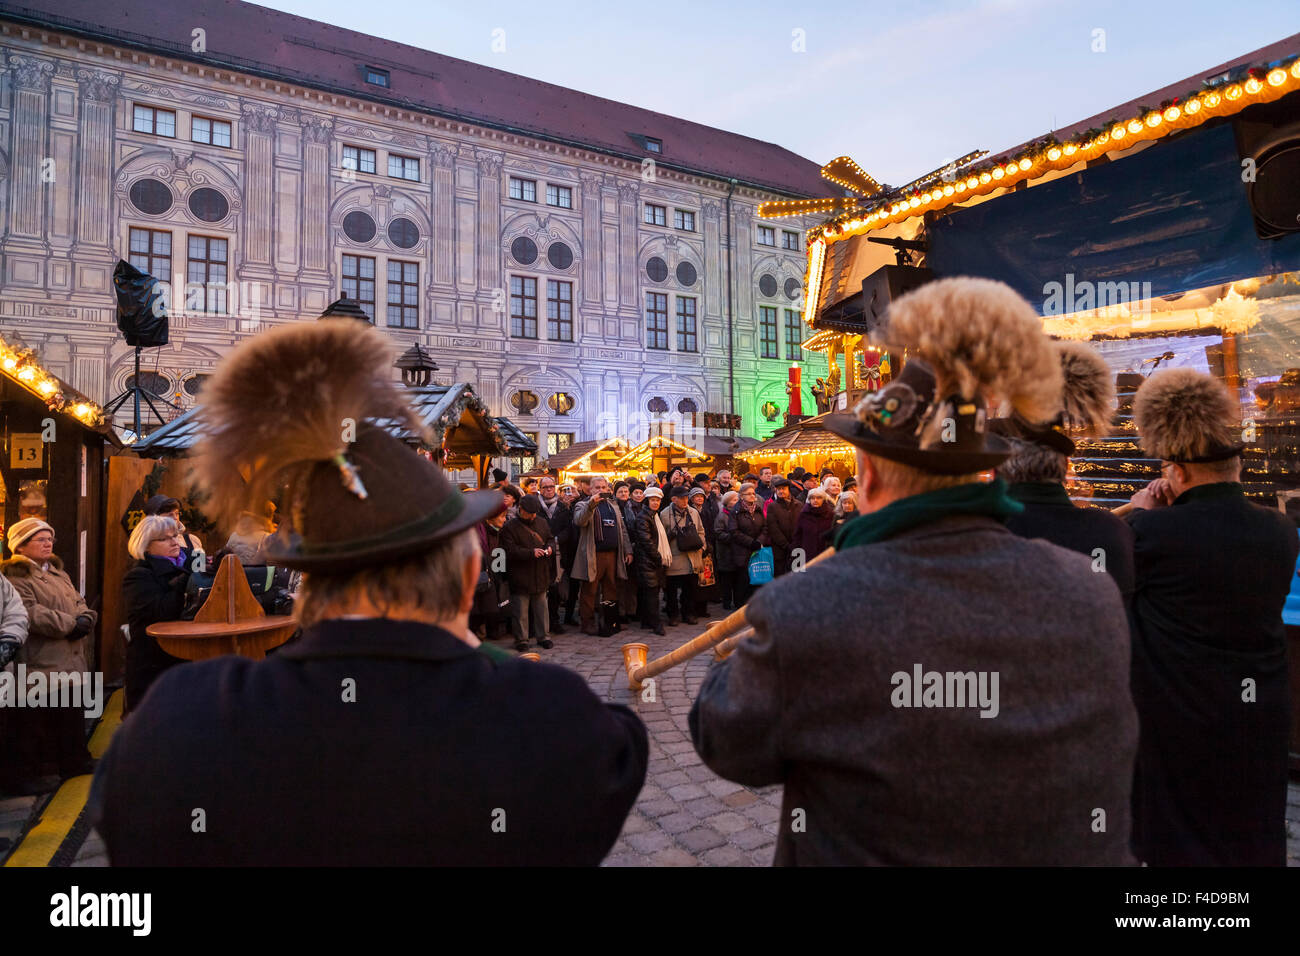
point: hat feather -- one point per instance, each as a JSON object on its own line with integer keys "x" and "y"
{"x": 981, "y": 339}
{"x": 281, "y": 403}
{"x": 1089, "y": 395}
{"x": 1182, "y": 413}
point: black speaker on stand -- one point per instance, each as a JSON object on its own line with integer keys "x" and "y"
{"x": 142, "y": 320}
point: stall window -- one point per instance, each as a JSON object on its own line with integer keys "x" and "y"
{"x": 559, "y": 311}
{"x": 523, "y": 307}
{"x": 767, "y": 331}
{"x": 359, "y": 282}
{"x": 656, "y": 320}
{"x": 793, "y": 336}
{"x": 403, "y": 294}
{"x": 687, "y": 339}
{"x": 206, "y": 288}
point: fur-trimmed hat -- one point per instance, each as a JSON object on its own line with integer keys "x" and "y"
{"x": 1087, "y": 401}
{"x": 968, "y": 341}
{"x": 1183, "y": 415}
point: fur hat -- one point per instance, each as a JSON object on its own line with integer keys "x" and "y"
{"x": 1087, "y": 401}
{"x": 969, "y": 342}
{"x": 1183, "y": 415}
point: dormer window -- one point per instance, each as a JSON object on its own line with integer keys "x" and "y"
{"x": 377, "y": 77}
{"x": 654, "y": 145}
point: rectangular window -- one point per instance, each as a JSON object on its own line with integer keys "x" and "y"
{"x": 362, "y": 160}
{"x": 526, "y": 463}
{"x": 556, "y": 442}
{"x": 359, "y": 282}
{"x": 376, "y": 76}
{"x": 687, "y": 340}
{"x": 559, "y": 311}
{"x": 523, "y": 307}
{"x": 656, "y": 215}
{"x": 766, "y": 236}
{"x": 561, "y": 196}
{"x": 404, "y": 167}
{"x": 403, "y": 294}
{"x": 790, "y": 240}
{"x": 767, "y": 331}
{"x": 151, "y": 252}
{"x": 793, "y": 336}
{"x": 684, "y": 219}
{"x": 523, "y": 189}
{"x": 656, "y": 320}
{"x": 206, "y": 279}
{"x": 150, "y": 120}
{"x": 210, "y": 131}
{"x": 654, "y": 145}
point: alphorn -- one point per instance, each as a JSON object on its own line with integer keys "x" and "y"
{"x": 733, "y": 626}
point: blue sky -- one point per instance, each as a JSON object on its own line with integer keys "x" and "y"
{"x": 900, "y": 87}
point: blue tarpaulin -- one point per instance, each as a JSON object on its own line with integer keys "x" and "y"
{"x": 1174, "y": 215}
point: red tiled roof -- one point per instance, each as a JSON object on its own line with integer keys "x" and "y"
{"x": 247, "y": 37}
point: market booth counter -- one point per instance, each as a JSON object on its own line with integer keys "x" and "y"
{"x": 55, "y": 444}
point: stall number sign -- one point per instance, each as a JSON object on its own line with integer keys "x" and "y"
{"x": 26, "y": 450}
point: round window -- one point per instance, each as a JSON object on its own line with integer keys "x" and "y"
{"x": 151, "y": 382}
{"x": 767, "y": 286}
{"x": 524, "y": 251}
{"x": 209, "y": 205}
{"x": 559, "y": 255}
{"x": 656, "y": 269}
{"x": 151, "y": 197}
{"x": 686, "y": 273}
{"x": 792, "y": 288}
{"x": 194, "y": 384}
{"x": 403, "y": 233}
{"x": 358, "y": 226}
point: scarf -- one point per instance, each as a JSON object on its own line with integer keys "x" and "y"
{"x": 976, "y": 498}
{"x": 665, "y": 552}
{"x": 549, "y": 509}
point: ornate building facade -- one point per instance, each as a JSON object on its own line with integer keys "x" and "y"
{"x": 583, "y": 290}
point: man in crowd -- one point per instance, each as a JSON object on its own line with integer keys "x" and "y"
{"x": 604, "y": 550}
{"x": 764, "y": 487}
{"x": 384, "y": 736}
{"x": 530, "y": 569}
{"x": 686, "y": 544}
{"x": 558, "y": 517}
{"x": 1212, "y": 572}
{"x": 781, "y": 516}
{"x": 979, "y": 714}
{"x": 724, "y": 480}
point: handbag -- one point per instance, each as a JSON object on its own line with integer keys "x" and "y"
{"x": 688, "y": 539}
{"x": 761, "y": 566}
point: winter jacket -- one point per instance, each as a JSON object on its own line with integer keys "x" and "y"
{"x": 709, "y": 516}
{"x": 765, "y": 492}
{"x": 13, "y": 615}
{"x": 811, "y": 528}
{"x": 53, "y": 605}
{"x": 647, "y": 564}
{"x": 684, "y": 562}
{"x": 722, "y": 560}
{"x": 558, "y": 519}
{"x": 742, "y": 535}
{"x": 569, "y": 536}
{"x": 781, "y": 518}
{"x": 153, "y": 590}
{"x": 527, "y": 573}
{"x": 584, "y": 561}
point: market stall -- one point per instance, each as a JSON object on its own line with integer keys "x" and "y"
{"x": 588, "y": 459}
{"x": 804, "y": 444}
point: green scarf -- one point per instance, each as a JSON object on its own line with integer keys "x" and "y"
{"x": 975, "y": 498}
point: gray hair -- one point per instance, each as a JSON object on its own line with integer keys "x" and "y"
{"x": 150, "y": 529}
{"x": 1031, "y": 461}
{"x": 730, "y": 498}
{"x": 839, "y": 503}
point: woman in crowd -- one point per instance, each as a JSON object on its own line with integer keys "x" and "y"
{"x": 59, "y": 626}
{"x": 651, "y": 557}
{"x": 814, "y": 524}
{"x": 723, "y": 564}
{"x": 846, "y": 509}
{"x": 492, "y": 594}
{"x": 251, "y": 530}
{"x": 153, "y": 590}
{"x": 831, "y": 485}
{"x": 171, "y": 508}
{"x": 743, "y": 535}
{"x": 513, "y": 493}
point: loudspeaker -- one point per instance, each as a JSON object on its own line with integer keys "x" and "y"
{"x": 1268, "y": 142}
{"x": 884, "y": 286}
{"x": 141, "y": 308}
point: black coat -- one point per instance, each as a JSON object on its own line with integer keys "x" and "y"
{"x": 810, "y": 529}
{"x": 1049, "y": 514}
{"x": 444, "y": 757}
{"x": 153, "y": 590}
{"x": 569, "y": 537}
{"x": 559, "y": 521}
{"x": 647, "y": 565}
{"x": 1212, "y": 575}
{"x": 709, "y": 517}
{"x": 742, "y": 535}
{"x": 527, "y": 573}
{"x": 781, "y": 518}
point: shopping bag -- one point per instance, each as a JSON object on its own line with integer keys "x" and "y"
{"x": 706, "y": 574}
{"x": 761, "y": 566}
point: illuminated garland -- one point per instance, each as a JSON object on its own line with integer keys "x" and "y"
{"x": 23, "y": 366}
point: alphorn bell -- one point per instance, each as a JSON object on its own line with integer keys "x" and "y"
{"x": 733, "y": 626}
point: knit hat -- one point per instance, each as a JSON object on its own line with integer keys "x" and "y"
{"x": 20, "y": 532}
{"x": 698, "y": 491}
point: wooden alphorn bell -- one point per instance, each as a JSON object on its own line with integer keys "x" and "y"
{"x": 731, "y": 630}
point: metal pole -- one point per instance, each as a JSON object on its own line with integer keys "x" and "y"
{"x": 136, "y": 392}
{"x": 731, "y": 359}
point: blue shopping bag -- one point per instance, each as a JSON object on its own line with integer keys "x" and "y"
{"x": 761, "y": 566}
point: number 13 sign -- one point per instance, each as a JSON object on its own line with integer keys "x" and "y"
{"x": 26, "y": 450}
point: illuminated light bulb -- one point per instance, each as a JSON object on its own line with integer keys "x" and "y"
{"x": 985, "y": 177}
{"x": 1154, "y": 120}
{"x": 1053, "y": 154}
{"x": 46, "y": 387}
{"x": 1276, "y": 77}
{"x": 1173, "y": 113}
{"x": 10, "y": 362}
{"x": 1253, "y": 86}
{"x": 997, "y": 172}
{"x": 948, "y": 190}
{"x": 27, "y": 373}
{"x": 1118, "y": 132}
{"x": 1212, "y": 100}
{"x": 972, "y": 183}
{"x": 82, "y": 410}
{"x": 1295, "y": 69}
{"x": 914, "y": 202}
{"x": 1026, "y": 163}
{"x": 1193, "y": 107}
{"x": 1071, "y": 149}
{"x": 961, "y": 187}
{"x": 1135, "y": 126}
{"x": 1233, "y": 92}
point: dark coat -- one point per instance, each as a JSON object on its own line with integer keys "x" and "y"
{"x": 781, "y": 519}
{"x": 810, "y": 701}
{"x": 1051, "y": 515}
{"x": 414, "y": 771}
{"x": 742, "y": 535}
{"x": 153, "y": 590}
{"x": 1212, "y": 575}
{"x": 810, "y": 529}
{"x": 489, "y": 603}
{"x": 526, "y": 573}
{"x": 647, "y": 565}
{"x": 558, "y": 521}
{"x": 709, "y": 516}
{"x": 568, "y": 538}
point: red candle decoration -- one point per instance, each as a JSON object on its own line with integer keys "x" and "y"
{"x": 795, "y": 391}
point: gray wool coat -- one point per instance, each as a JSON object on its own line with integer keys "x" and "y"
{"x": 813, "y": 701}
{"x": 585, "y": 558}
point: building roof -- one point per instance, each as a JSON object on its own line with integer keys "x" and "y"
{"x": 253, "y": 39}
{"x": 803, "y": 437}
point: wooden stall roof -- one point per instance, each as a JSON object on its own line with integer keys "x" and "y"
{"x": 806, "y": 437}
